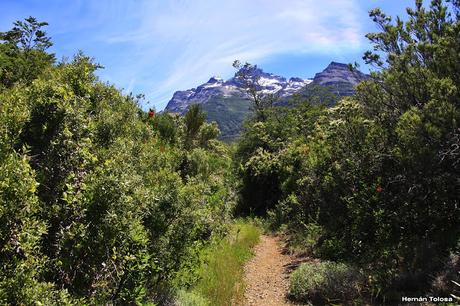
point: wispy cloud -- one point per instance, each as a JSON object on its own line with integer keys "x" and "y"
{"x": 196, "y": 39}
{"x": 157, "y": 47}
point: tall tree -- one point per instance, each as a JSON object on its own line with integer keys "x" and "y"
{"x": 249, "y": 79}
{"x": 23, "y": 53}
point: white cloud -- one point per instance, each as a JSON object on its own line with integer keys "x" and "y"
{"x": 192, "y": 40}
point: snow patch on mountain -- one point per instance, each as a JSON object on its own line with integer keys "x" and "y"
{"x": 216, "y": 87}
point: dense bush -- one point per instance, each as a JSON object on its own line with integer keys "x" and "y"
{"x": 266, "y": 171}
{"x": 99, "y": 202}
{"x": 325, "y": 283}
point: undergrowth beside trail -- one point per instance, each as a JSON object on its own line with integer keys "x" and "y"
{"x": 220, "y": 275}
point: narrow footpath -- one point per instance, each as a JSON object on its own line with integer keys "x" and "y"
{"x": 266, "y": 274}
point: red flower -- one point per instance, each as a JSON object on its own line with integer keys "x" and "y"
{"x": 151, "y": 114}
{"x": 379, "y": 189}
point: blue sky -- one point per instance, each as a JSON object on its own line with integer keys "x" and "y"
{"x": 156, "y": 47}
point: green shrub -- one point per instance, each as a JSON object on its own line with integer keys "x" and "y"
{"x": 94, "y": 207}
{"x": 325, "y": 282}
{"x": 305, "y": 239}
{"x": 190, "y": 298}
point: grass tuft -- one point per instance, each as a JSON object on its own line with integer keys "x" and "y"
{"x": 221, "y": 274}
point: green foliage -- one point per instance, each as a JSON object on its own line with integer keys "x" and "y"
{"x": 187, "y": 298}
{"x": 94, "y": 205}
{"x": 101, "y": 203}
{"x": 22, "y": 52}
{"x": 323, "y": 95}
{"x": 27, "y": 35}
{"x": 261, "y": 155}
{"x": 219, "y": 277}
{"x": 21, "y": 229}
{"x": 194, "y": 120}
{"x": 207, "y": 132}
{"x": 325, "y": 283}
{"x": 378, "y": 173}
{"x": 249, "y": 82}
{"x": 167, "y": 127}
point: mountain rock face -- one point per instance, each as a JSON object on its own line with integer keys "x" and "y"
{"x": 226, "y": 102}
{"x": 232, "y": 88}
{"x": 340, "y": 78}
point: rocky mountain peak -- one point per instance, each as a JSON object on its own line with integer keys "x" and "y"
{"x": 215, "y": 79}
{"x": 336, "y": 65}
{"x": 336, "y": 73}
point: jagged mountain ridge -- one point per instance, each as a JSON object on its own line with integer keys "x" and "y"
{"x": 226, "y": 103}
{"x": 217, "y": 87}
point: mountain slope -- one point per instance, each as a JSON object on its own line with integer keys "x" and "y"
{"x": 226, "y": 102}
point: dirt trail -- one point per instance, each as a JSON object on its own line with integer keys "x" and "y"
{"x": 266, "y": 274}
